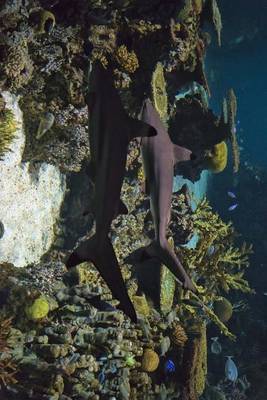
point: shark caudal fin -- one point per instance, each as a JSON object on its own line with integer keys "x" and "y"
{"x": 105, "y": 261}
{"x": 167, "y": 257}
{"x": 140, "y": 129}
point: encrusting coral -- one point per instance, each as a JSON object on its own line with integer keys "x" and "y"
{"x": 8, "y": 127}
{"x": 159, "y": 94}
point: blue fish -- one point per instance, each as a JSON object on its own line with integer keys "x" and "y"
{"x": 231, "y": 372}
{"x": 231, "y": 194}
{"x": 169, "y": 366}
{"x": 233, "y": 207}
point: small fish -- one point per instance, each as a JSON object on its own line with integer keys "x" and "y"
{"x": 45, "y": 124}
{"x": 101, "y": 377}
{"x": 164, "y": 345}
{"x": 231, "y": 194}
{"x": 233, "y": 207}
{"x": 211, "y": 250}
{"x": 169, "y": 367}
{"x": 231, "y": 372}
{"x": 216, "y": 347}
{"x": 265, "y": 294}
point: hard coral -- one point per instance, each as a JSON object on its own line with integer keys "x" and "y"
{"x": 159, "y": 94}
{"x": 8, "y": 127}
{"x": 127, "y": 60}
{"x": 150, "y": 360}
{"x": 216, "y": 160}
{"x": 178, "y": 335}
{"x": 38, "y": 310}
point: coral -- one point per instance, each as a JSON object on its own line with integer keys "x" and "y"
{"x": 38, "y": 309}
{"x": 217, "y": 262}
{"x": 159, "y": 94}
{"x": 126, "y": 59}
{"x": 8, "y": 127}
{"x": 46, "y": 23}
{"x": 195, "y": 364}
{"x": 141, "y": 306}
{"x": 17, "y": 64}
{"x": 143, "y": 27}
{"x": 8, "y": 368}
{"x": 216, "y": 160}
{"x": 103, "y": 38}
{"x": 197, "y": 6}
{"x": 232, "y": 110}
{"x": 213, "y": 393}
{"x": 178, "y": 335}
{"x": 150, "y": 360}
{"x": 223, "y": 309}
{"x": 216, "y": 19}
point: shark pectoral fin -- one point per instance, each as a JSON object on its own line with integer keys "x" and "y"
{"x": 140, "y": 129}
{"x": 181, "y": 153}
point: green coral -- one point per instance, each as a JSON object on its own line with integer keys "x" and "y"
{"x": 8, "y": 127}
{"x": 38, "y": 309}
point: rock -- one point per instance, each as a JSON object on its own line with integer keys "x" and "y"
{"x": 30, "y": 200}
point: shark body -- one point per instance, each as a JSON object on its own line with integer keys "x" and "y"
{"x": 110, "y": 131}
{"x": 159, "y": 158}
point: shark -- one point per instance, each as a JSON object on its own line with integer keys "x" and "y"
{"x": 110, "y": 131}
{"x": 159, "y": 157}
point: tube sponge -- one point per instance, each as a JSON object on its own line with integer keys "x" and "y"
{"x": 217, "y": 159}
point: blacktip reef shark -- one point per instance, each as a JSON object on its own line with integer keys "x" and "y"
{"x": 110, "y": 131}
{"x": 159, "y": 157}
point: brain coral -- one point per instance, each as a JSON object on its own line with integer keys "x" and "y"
{"x": 150, "y": 361}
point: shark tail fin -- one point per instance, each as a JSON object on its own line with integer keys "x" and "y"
{"x": 140, "y": 129}
{"x": 166, "y": 256}
{"x": 105, "y": 261}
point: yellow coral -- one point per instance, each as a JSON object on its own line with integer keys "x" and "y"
{"x": 127, "y": 59}
{"x": 8, "y": 127}
{"x": 159, "y": 93}
{"x": 150, "y": 360}
{"x": 178, "y": 335}
{"x": 141, "y": 305}
{"x": 39, "y": 309}
{"x": 217, "y": 159}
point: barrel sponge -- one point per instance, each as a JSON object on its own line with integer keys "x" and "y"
{"x": 217, "y": 159}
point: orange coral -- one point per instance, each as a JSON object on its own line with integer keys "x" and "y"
{"x": 178, "y": 335}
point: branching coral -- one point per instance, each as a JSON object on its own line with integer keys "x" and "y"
{"x": 217, "y": 263}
